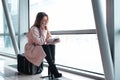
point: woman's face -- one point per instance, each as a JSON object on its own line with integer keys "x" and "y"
{"x": 44, "y": 21}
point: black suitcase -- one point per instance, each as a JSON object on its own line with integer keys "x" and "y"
{"x": 25, "y": 67}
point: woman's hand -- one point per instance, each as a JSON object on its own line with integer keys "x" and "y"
{"x": 43, "y": 25}
{"x": 43, "y": 29}
{"x": 56, "y": 40}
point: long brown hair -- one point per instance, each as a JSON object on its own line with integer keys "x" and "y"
{"x": 38, "y": 19}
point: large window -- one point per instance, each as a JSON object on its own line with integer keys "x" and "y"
{"x": 79, "y": 51}
{"x": 5, "y": 39}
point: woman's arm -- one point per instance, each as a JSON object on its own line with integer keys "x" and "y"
{"x": 51, "y": 40}
{"x": 37, "y": 38}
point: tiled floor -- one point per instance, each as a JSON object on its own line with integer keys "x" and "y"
{"x": 10, "y": 73}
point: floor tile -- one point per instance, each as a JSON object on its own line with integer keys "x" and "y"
{"x": 9, "y": 72}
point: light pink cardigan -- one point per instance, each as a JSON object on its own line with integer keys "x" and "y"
{"x": 36, "y": 54}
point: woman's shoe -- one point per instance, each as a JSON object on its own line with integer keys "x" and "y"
{"x": 58, "y": 75}
{"x": 54, "y": 71}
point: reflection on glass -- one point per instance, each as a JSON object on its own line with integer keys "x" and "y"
{"x": 79, "y": 51}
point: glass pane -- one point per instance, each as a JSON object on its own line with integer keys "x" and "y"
{"x": 1, "y": 18}
{"x": 6, "y": 42}
{"x": 79, "y": 51}
{"x": 64, "y": 14}
{"x": 6, "y": 45}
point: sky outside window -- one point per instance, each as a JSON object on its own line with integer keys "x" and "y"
{"x": 65, "y": 14}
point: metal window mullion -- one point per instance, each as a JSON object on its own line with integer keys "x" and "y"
{"x": 68, "y": 32}
{"x": 10, "y": 26}
{"x": 110, "y": 24}
{"x": 103, "y": 40}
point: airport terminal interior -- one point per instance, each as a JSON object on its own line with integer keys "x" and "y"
{"x": 89, "y": 38}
